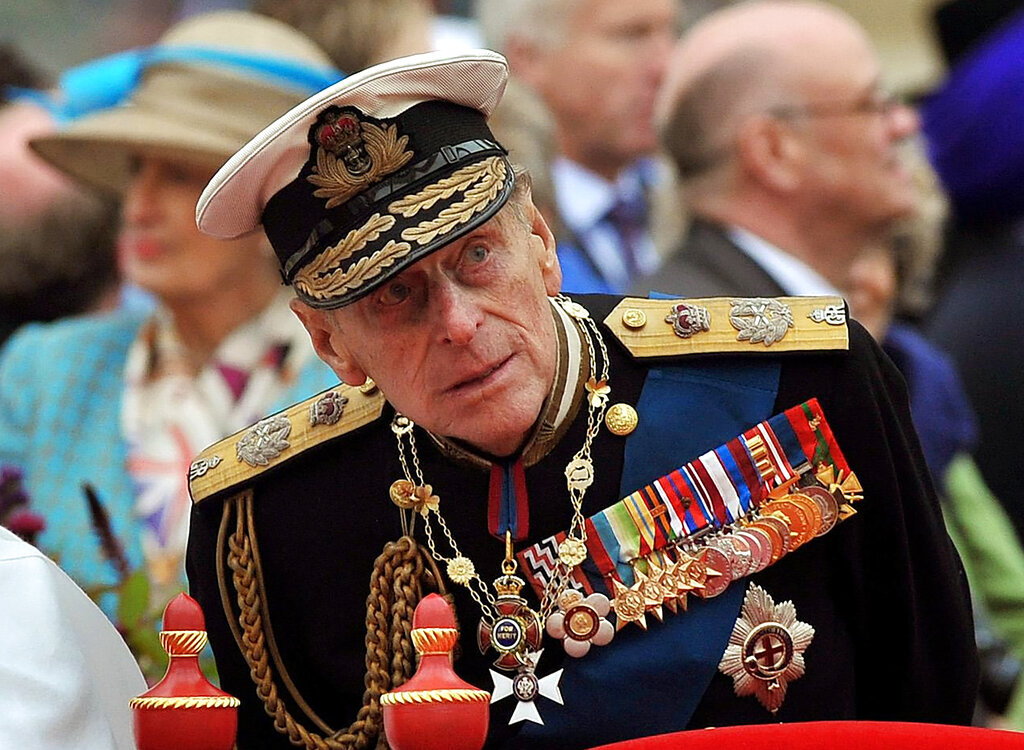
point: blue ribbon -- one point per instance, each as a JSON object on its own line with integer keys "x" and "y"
{"x": 677, "y": 658}
{"x": 109, "y": 81}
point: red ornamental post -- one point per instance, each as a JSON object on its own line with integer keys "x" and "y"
{"x": 184, "y": 711}
{"x": 435, "y": 709}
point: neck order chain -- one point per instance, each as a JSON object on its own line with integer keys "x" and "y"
{"x": 414, "y": 494}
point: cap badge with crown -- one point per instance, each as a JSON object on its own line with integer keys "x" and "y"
{"x": 352, "y": 152}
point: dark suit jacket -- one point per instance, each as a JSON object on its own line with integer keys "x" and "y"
{"x": 709, "y": 264}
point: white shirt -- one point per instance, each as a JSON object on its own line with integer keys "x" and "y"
{"x": 66, "y": 676}
{"x": 584, "y": 198}
{"x": 795, "y": 277}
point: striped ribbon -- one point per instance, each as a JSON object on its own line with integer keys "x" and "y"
{"x": 508, "y": 503}
{"x": 716, "y": 489}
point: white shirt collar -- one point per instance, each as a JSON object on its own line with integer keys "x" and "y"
{"x": 584, "y": 197}
{"x": 794, "y": 276}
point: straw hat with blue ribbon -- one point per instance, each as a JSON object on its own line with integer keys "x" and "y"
{"x": 210, "y": 84}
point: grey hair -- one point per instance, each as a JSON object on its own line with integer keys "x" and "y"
{"x": 540, "y": 22}
{"x": 520, "y": 197}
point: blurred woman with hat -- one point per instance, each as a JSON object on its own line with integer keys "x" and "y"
{"x": 119, "y": 404}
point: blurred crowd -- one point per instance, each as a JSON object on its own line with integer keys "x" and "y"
{"x": 676, "y": 147}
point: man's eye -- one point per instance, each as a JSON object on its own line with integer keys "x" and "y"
{"x": 477, "y": 254}
{"x": 394, "y": 293}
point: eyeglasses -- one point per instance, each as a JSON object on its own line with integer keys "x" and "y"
{"x": 875, "y": 102}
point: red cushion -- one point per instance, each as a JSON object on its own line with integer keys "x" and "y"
{"x": 861, "y": 735}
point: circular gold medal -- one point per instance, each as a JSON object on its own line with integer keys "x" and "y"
{"x": 760, "y": 548}
{"x": 813, "y": 511}
{"x": 774, "y": 536}
{"x": 717, "y": 576}
{"x": 796, "y": 517}
{"x": 581, "y": 622}
{"x": 783, "y": 530}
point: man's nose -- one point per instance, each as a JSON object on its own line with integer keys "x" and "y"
{"x": 460, "y": 315}
{"x": 904, "y": 121}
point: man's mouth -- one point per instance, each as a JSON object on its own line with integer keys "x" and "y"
{"x": 481, "y": 377}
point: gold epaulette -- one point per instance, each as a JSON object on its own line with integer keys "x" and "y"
{"x": 719, "y": 325}
{"x": 282, "y": 436}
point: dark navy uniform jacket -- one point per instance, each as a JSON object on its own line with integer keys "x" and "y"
{"x": 884, "y": 591}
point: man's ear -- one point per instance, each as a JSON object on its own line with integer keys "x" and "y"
{"x": 771, "y": 152}
{"x": 541, "y": 234}
{"x": 328, "y": 342}
{"x": 528, "y": 61}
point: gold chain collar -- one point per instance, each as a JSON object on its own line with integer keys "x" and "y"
{"x": 413, "y": 495}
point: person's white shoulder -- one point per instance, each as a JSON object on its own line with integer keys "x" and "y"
{"x": 66, "y": 675}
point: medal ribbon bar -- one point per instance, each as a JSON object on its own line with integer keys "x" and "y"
{"x": 717, "y": 489}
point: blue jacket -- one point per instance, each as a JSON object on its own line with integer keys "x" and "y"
{"x": 61, "y": 390}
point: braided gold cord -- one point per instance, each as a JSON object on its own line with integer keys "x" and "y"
{"x": 457, "y": 695}
{"x": 400, "y": 576}
{"x": 181, "y": 701}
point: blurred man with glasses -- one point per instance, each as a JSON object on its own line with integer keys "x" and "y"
{"x": 788, "y": 148}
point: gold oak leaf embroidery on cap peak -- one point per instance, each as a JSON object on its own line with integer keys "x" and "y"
{"x": 324, "y": 277}
{"x": 489, "y": 176}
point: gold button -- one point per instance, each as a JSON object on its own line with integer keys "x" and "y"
{"x": 402, "y": 493}
{"x": 368, "y": 387}
{"x": 634, "y": 318}
{"x": 621, "y": 419}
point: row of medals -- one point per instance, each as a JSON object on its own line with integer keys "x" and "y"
{"x": 704, "y": 566}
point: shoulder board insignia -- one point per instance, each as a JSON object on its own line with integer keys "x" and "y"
{"x": 282, "y": 436}
{"x": 720, "y": 325}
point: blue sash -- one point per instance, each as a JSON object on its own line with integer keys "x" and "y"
{"x": 648, "y": 683}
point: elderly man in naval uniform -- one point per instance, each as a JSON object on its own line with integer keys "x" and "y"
{"x": 650, "y": 515}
